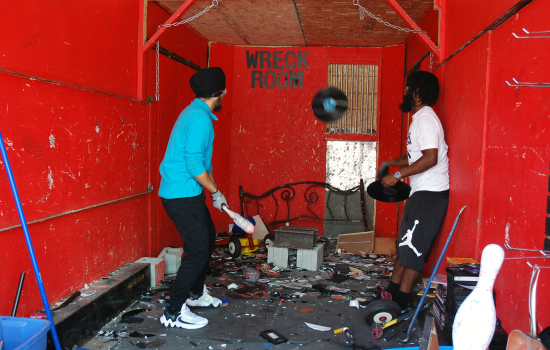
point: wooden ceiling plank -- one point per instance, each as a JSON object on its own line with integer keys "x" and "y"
{"x": 324, "y": 23}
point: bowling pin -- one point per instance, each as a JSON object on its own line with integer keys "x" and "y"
{"x": 475, "y": 321}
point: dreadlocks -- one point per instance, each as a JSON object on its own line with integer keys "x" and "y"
{"x": 426, "y": 86}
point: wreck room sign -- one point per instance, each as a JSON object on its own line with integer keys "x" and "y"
{"x": 283, "y": 69}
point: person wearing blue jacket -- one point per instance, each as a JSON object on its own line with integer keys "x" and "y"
{"x": 186, "y": 171}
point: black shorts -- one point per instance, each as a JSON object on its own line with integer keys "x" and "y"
{"x": 423, "y": 215}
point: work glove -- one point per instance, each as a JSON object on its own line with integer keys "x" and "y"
{"x": 383, "y": 171}
{"x": 219, "y": 200}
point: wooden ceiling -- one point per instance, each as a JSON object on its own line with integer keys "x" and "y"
{"x": 300, "y": 22}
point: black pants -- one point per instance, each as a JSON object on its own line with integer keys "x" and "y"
{"x": 195, "y": 226}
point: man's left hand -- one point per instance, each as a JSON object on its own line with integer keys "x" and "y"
{"x": 389, "y": 180}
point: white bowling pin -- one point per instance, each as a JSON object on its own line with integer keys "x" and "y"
{"x": 240, "y": 221}
{"x": 475, "y": 321}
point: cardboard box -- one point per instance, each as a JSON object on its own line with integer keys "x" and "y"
{"x": 356, "y": 242}
{"x": 384, "y": 246}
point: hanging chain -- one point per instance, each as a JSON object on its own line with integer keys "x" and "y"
{"x": 214, "y": 3}
{"x": 157, "y": 95}
{"x": 431, "y": 61}
{"x": 183, "y": 21}
{"x": 363, "y": 11}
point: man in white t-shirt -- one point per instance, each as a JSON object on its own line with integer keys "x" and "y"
{"x": 427, "y": 165}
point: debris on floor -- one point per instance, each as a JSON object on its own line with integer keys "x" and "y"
{"x": 289, "y": 307}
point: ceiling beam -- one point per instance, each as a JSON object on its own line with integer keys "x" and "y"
{"x": 143, "y": 45}
{"x": 412, "y": 25}
{"x": 183, "y": 8}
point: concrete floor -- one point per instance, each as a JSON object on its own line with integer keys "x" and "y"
{"x": 239, "y": 324}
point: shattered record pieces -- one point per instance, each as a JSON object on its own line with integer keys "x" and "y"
{"x": 141, "y": 335}
{"x": 132, "y": 313}
{"x": 273, "y": 336}
{"x": 338, "y": 278}
{"x": 234, "y": 295}
{"x": 152, "y": 345}
{"x": 69, "y": 300}
{"x": 338, "y": 290}
{"x": 317, "y": 327}
{"x": 131, "y": 319}
{"x": 296, "y": 285}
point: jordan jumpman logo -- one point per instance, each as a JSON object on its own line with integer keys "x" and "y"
{"x": 408, "y": 239}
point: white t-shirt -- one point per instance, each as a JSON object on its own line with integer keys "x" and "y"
{"x": 426, "y": 132}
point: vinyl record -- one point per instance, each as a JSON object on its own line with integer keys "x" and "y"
{"x": 329, "y": 104}
{"x": 393, "y": 194}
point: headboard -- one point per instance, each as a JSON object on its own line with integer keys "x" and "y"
{"x": 285, "y": 194}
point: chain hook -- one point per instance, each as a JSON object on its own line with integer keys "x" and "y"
{"x": 183, "y": 21}
{"x": 363, "y": 11}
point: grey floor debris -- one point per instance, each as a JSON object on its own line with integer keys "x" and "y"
{"x": 284, "y": 301}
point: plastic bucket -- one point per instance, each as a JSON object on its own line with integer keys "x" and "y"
{"x": 20, "y": 333}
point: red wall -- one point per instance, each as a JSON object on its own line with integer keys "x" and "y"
{"x": 517, "y": 157}
{"x": 175, "y": 95}
{"x": 466, "y": 18}
{"x": 80, "y": 43}
{"x": 392, "y": 125}
{"x": 498, "y": 148}
{"x": 71, "y": 148}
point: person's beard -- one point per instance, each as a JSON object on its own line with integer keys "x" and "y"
{"x": 408, "y": 103}
{"x": 218, "y": 104}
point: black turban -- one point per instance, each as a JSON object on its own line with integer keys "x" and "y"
{"x": 208, "y": 81}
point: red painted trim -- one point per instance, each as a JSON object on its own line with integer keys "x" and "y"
{"x": 405, "y": 17}
{"x": 379, "y": 103}
{"x": 350, "y": 137}
{"x": 144, "y": 46}
{"x": 442, "y": 28}
{"x": 180, "y": 12}
{"x": 483, "y": 150}
{"x": 140, "y": 54}
{"x": 149, "y": 178}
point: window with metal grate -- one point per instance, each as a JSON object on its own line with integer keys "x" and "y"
{"x": 360, "y": 84}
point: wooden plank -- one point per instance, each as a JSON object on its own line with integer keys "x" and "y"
{"x": 356, "y": 242}
{"x": 337, "y": 23}
{"x": 276, "y": 23}
{"x": 384, "y": 245}
{"x": 247, "y": 22}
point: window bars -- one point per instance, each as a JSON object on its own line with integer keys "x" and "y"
{"x": 360, "y": 84}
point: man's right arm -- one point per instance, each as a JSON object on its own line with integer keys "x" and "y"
{"x": 206, "y": 181}
{"x": 401, "y": 161}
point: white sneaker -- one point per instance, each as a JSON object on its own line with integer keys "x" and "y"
{"x": 204, "y": 300}
{"x": 183, "y": 319}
